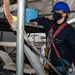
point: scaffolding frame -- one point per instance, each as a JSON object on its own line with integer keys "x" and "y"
{"x": 20, "y": 38}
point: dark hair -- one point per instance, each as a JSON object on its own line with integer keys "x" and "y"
{"x": 66, "y": 15}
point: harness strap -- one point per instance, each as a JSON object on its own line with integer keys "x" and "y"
{"x": 58, "y": 30}
{"x": 54, "y": 35}
{"x": 63, "y": 61}
{"x": 56, "y": 51}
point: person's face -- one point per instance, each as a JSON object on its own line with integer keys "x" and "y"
{"x": 58, "y": 14}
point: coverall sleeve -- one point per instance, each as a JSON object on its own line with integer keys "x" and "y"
{"x": 71, "y": 38}
{"x": 45, "y": 22}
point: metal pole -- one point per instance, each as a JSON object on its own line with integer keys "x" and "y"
{"x": 26, "y": 4}
{"x": 20, "y": 38}
{"x": 52, "y": 3}
{"x": 12, "y": 8}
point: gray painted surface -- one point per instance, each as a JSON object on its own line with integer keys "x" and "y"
{"x": 8, "y": 36}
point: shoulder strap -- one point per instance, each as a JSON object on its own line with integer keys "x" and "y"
{"x": 58, "y": 30}
{"x": 55, "y": 49}
{"x": 54, "y": 35}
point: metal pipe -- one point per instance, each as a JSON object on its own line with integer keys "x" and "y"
{"x": 20, "y": 38}
{"x": 12, "y": 8}
{"x": 72, "y": 11}
{"x": 34, "y": 1}
{"x": 52, "y": 3}
{"x": 26, "y": 4}
{"x": 48, "y": 14}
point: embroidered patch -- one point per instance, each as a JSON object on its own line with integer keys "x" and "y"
{"x": 58, "y": 41}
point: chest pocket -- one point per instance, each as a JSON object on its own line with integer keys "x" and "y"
{"x": 58, "y": 41}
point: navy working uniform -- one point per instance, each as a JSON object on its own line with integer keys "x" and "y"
{"x": 65, "y": 39}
